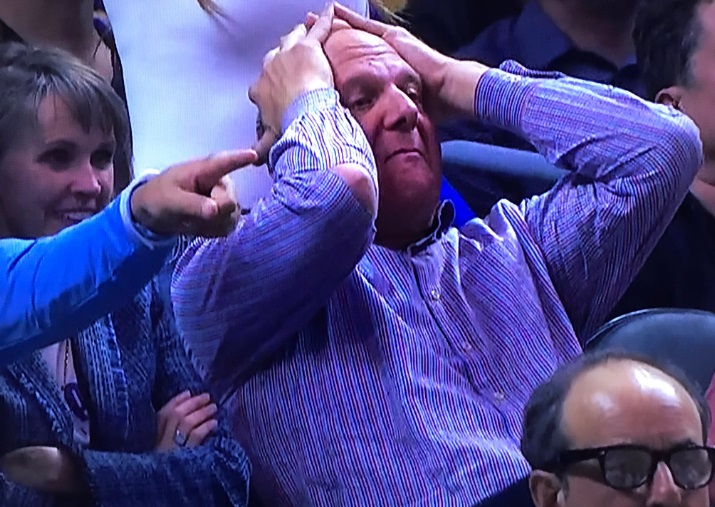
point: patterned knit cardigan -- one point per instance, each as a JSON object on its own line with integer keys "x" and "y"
{"x": 129, "y": 364}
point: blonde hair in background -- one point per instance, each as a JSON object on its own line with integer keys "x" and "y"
{"x": 392, "y": 6}
{"x": 386, "y": 6}
{"x": 209, "y": 6}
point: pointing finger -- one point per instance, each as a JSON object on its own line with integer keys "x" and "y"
{"x": 210, "y": 171}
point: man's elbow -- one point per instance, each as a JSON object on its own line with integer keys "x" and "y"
{"x": 360, "y": 183}
{"x": 679, "y": 143}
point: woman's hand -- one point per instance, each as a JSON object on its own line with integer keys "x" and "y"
{"x": 185, "y": 421}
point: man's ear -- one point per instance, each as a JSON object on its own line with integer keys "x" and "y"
{"x": 670, "y": 96}
{"x": 545, "y": 488}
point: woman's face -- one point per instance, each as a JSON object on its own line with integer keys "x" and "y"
{"x": 55, "y": 175}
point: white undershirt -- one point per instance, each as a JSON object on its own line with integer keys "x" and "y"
{"x": 187, "y": 76}
{"x": 61, "y": 366}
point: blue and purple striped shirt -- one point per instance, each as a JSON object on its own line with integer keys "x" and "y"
{"x": 366, "y": 376}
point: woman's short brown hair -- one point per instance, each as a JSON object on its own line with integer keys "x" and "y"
{"x": 28, "y": 75}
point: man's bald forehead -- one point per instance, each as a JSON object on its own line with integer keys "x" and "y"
{"x": 622, "y": 375}
{"x": 349, "y": 35}
{"x": 350, "y": 42}
{"x": 622, "y": 389}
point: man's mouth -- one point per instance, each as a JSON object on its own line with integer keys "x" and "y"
{"x": 404, "y": 151}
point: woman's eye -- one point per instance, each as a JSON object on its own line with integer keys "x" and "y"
{"x": 103, "y": 158}
{"x": 57, "y": 158}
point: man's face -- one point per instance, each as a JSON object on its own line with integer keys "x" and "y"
{"x": 384, "y": 94}
{"x": 624, "y": 402}
{"x": 614, "y": 8}
{"x": 698, "y": 98}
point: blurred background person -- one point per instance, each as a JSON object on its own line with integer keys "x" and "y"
{"x": 614, "y": 429}
{"x": 187, "y": 76}
{"x": 675, "y": 42}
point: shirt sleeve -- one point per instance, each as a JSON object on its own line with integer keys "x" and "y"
{"x": 53, "y": 287}
{"x": 213, "y": 473}
{"x": 239, "y": 299}
{"x": 631, "y": 163}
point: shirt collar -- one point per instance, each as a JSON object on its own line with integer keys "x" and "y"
{"x": 533, "y": 23}
{"x": 444, "y": 216}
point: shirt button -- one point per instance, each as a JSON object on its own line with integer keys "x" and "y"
{"x": 466, "y": 346}
{"x": 499, "y": 396}
{"x": 434, "y": 294}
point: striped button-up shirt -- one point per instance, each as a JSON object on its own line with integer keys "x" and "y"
{"x": 368, "y": 376}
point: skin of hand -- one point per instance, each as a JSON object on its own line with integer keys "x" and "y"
{"x": 45, "y": 469}
{"x": 297, "y": 66}
{"x": 193, "y": 416}
{"x": 194, "y": 198}
{"x": 450, "y": 84}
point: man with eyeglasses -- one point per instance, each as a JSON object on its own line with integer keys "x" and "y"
{"x": 618, "y": 430}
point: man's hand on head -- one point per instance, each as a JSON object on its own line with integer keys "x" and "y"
{"x": 194, "y": 198}
{"x": 449, "y": 84}
{"x": 297, "y": 66}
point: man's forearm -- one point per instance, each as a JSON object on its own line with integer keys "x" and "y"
{"x": 461, "y": 80}
{"x": 238, "y": 300}
{"x": 632, "y": 164}
{"x": 53, "y": 287}
{"x": 583, "y": 126}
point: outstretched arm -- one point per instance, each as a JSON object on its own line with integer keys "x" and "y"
{"x": 52, "y": 287}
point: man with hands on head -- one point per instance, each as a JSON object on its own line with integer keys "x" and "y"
{"x": 55, "y": 286}
{"x": 369, "y": 355}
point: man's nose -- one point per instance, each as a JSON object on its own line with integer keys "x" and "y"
{"x": 401, "y": 111}
{"x": 663, "y": 491}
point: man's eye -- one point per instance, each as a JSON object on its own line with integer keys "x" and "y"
{"x": 415, "y": 94}
{"x": 360, "y": 103}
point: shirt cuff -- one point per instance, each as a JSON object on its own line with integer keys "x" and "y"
{"x": 136, "y": 231}
{"x": 313, "y": 100}
{"x": 502, "y": 95}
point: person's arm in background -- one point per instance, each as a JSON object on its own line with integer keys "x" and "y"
{"x": 631, "y": 165}
{"x": 215, "y": 472}
{"x": 238, "y": 301}
{"x": 53, "y": 287}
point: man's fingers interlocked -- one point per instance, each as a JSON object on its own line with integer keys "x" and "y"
{"x": 298, "y": 66}
{"x": 320, "y": 31}
{"x": 289, "y": 40}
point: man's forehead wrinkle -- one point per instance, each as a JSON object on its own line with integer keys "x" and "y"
{"x": 356, "y": 51}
